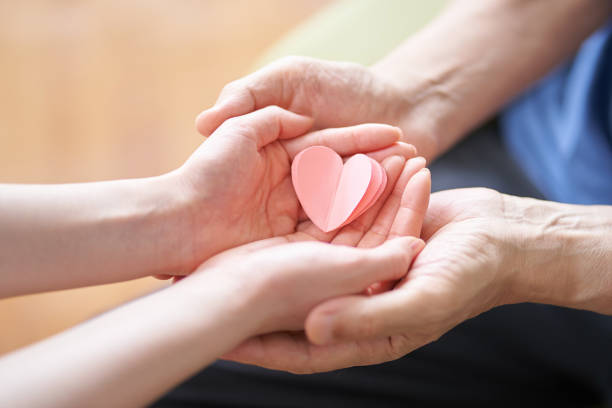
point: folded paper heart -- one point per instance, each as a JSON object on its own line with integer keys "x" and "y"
{"x": 333, "y": 194}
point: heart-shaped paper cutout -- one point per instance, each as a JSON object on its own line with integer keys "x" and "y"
{"x": 333, "y": 194}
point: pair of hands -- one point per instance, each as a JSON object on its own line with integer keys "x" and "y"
{"x": 455, "y": 277}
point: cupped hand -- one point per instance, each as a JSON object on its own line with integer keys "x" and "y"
{"x": 399, "y": 213}
{"x": 334, "y": 94}
{"x": 237, "y": 185}
{"x": 462, "y": 272}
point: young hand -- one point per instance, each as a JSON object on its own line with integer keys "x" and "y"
{"x": 238, "y": 183}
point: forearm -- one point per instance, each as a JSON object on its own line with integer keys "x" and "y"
{"x": 131, "y": 355}
{"x": 479, "y": 54}
{"x": 62, "y": 236}
{"x": 562, "y": 253}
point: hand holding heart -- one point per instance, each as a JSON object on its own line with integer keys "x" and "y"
{"x": 238, "y": 185}
{"x": 331, "y": 194}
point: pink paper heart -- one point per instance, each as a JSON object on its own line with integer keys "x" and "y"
{"x": 333, "y": 194}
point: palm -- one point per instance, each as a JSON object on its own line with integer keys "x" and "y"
{"x": 253, "y": 199}
{"x": 458, "y": 248}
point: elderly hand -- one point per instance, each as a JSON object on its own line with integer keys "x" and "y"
{"x": 484, "y": 249}
{"x": 334, "y": 94}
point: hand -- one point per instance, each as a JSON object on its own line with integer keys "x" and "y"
{"x": 460, "y": 273}
{"x": 238, "y": 183}
{"x": 334, "y": 94}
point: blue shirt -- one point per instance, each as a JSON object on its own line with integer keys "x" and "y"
{"x": 560, "y": 131}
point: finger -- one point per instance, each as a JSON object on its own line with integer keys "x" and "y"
{"x": 413, "y": 309}
{"x": 347, "y": 140}
{"x": 163, "y": 277}
{"x": 259, "y": 89}
{"x": 353, "y": 232}
{"x": 265, "y": 126}
{"x": 293, "y": 352}
{"x": 379, "y": 230}
{"x": 409, "y": 217}
{"x": 389, "y": 261}
{"x": 413, "y": 206}
{"x": 405, "y": 150}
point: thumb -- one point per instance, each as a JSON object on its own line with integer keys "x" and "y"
{"x": 257, "y": 90}
{"x": 239, "y": 102}
{"x": 409, "y": 309}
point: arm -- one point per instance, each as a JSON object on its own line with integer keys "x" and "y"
{"x": 477, "y": 55}
{"x": 438, "y": 85}
{"x": 63, "y": 236}
{"x": 128, "y": 357}
{"x": 564, "y": 254}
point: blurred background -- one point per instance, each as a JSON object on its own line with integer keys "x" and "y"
{"x": 95, "y": 90}
{"x": 107, "y": 89}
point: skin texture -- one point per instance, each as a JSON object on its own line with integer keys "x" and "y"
{"x": 234, "y": 189}
{"x": 268, "y": 285}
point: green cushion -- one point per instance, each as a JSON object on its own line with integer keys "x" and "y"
{"x": 360, "y": 31}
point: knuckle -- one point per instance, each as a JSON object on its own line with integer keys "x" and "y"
{"x": 231, "y": 87}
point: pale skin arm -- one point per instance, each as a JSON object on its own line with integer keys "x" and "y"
{"x": 127, "y": 357}
{"x": 439, "y": 84}
{"x": 63, "y": 236}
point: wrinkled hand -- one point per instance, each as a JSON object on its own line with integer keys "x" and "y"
{"x": 460, "y": 273}
{"x": 334, "y": 94}
{"x": 237, "y": 185}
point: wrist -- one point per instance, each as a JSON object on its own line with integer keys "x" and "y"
{"x": 165, "y": 215}
{"x": 563, "y": 254}
{"x": 224, "y": 298}
{"x": 422, "y": 106}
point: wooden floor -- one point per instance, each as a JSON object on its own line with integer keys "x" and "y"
{"x": 94, "y": 90}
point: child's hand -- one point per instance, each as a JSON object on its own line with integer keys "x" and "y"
{"x": 237, "y": 185}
